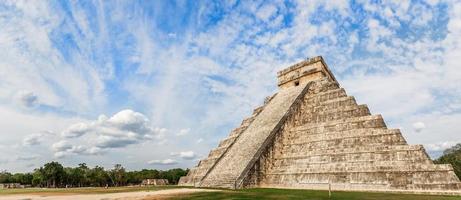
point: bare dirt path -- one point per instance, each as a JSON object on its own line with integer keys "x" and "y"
{"x": 111, "y": 196}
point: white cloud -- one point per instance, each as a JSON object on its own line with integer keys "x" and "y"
{"x": 61, "y": 154}
{"x": 27, "y": 99}
{"x": 339, "y": 5}
{"x": 163, "y": 162}
{"x": 183, "y": 132}
{"x": 33, "y": 139}
{"x": 188, "y": 155}
{"x": 61, "y": 146}
{"x": 76, "y": 130}
{"x": 93, "y": 138}
{"x": 37, "y": 138}
{"x": 162, "y": 142}
{"x": 422, "y": 14}
{"x": 327, "y": 30}
{"x": 418, "y": 126}
{"x": 27, "y": 157}
{"x": 440, "y": 146}
{"x": 124, "y": 128}
{"x": 107, "y": 141}
{"x": 354, "y": 38}
{"x": 266, "y": 11}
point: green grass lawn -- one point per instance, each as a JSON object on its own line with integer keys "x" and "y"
{"x": 281, "y": 194}
{"x": 84, "y": 190}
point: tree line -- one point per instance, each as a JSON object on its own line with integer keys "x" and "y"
{"x": 53, "y": 174}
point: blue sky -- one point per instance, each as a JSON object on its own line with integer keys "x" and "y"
{"x": 156, "y": 84}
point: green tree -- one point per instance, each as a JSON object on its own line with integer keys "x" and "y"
{"x": 5, "y": 177}
{"x": 98, "y": 176}
{"x": 27, "y": 179}
{"x": 22, "y": 178}
{"x": 118, "y": 175}
{"x": 83, "y": 171}
{"x": 38, "y": 179}
{"x": 54, "y": 174}
{"x": 133, "y": 177}
{"x": 74, "y": 177}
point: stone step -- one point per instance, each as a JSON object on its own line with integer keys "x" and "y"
{"x": 388, "y": 136}
{"x": 236, "y": 131}
{"x": 246, "y": 122}
{"x": 198, "y": 174}
{"x": 225, "y": 181}
{"x": 217, "y": 151}
{"x": 207, "y": 162}
{"x": 343, "y": 143}
{"x": 435, "y": 186}
{"x": 329, "y": 105}
{"x": 243, "y": 126}
{"x": 300, "y": 136}
{"x": 227, "y": 141}
{"x": 355, "y": 149}
{"x": 321, "y": 86}
{"x": 336, "y": 114}
{"x": 380, "y": 166}
{"x": 394, "y": 179}
{"x": 284, "y": 159}
{"x": 306, "y": 163}
{"x": 434, "y": 177}
{"x": 185, "y": 181}
{"x": 369, "y": 121}
{"x": 192, "y": 171}
{"x": 257, "y": 110}
{"x": 324, "y": 96}
{"x": 199, "y": 171}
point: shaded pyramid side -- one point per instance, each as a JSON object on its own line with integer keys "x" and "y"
{"x": 329, "y": 138}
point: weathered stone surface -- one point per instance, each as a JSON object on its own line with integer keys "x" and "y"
{"x": 249, "y": 144}
{"x": 196, "y": 174}
{"x": 310, "y": 135}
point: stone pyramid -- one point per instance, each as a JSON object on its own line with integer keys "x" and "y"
{"x": 312, "y": 135}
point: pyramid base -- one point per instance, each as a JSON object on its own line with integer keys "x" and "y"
{"x": 361, "y": 188}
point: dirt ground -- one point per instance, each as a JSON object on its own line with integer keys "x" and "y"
{"x": 160, "y": 194}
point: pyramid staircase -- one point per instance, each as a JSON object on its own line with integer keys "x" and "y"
{"x": 312, "y": 135}
{"x": 197, "y": 173}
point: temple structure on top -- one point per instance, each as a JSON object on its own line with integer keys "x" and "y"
{"x": 312, "y": 135}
